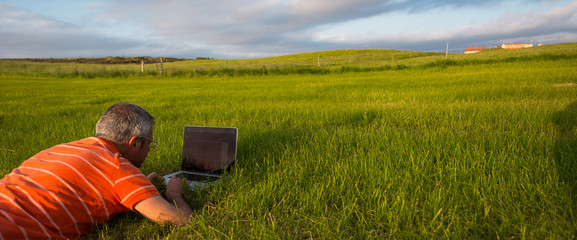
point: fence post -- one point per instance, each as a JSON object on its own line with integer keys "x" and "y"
{"x": 161, "y": 66}
{"x": 447, "y": 52}
{"x": 142, "y": 66}
{"x": 318, "y": 60}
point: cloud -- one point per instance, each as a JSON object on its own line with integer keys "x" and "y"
{"x": 415, "y": 6}
{"x": 256, "y": 22}
{"x": 558, "y": 25}
{"x": 11, "y": 17}
{"x": 246, "y": 28}
{"x": 28, "y": 34}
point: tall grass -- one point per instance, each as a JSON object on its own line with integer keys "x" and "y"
{"x": 464, "y": 150}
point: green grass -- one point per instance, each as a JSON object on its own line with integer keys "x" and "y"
{"x": 478, "y": 147}
{"x": 324, "y": 62}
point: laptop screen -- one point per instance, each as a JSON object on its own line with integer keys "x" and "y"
{"x": 208, "y": 149}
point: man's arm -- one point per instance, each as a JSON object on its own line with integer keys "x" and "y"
{"x": 174, "y": 209}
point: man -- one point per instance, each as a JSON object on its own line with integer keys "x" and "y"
{"x": 69, "y": 189}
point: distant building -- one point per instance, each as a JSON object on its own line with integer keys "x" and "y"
{"x": 474, "y": 49}
{"x": 516, "y": 45}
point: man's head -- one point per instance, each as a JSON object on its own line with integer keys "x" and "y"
{"x": 129, "y": 127}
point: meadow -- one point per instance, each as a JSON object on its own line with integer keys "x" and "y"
{"x": 480, "y": 146}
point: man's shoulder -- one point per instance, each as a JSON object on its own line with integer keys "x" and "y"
{"x": 93, "y": 143}
{"x": 88, "y": 149}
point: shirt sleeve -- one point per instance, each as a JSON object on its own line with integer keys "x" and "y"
{"x": 132, "y": 187}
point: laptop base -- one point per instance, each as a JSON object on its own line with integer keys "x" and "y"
{"x": 198, "y": 180}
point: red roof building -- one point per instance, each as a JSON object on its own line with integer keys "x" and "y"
{"x": 474, "y": 49}
{"x": 516, "y": 45}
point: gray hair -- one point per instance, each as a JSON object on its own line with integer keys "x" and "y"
{"x": 122, "y": 121}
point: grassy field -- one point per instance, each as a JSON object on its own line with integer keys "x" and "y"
{"x": 481, "y": 146}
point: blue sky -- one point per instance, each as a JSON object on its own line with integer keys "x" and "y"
{"x": 260, "y": 28}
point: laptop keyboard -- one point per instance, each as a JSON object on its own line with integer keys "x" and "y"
{"x": 197, "y": 177}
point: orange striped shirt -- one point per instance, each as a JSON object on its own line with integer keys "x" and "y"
{"x": 68, "y": 190}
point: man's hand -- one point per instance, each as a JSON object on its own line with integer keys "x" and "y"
{"x": 173, "y": 195}
{"x": 174, "y": 209}
{"x": 174, "y": 189}
{"x": 153, "y": 177}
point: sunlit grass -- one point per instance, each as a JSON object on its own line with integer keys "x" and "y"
{"x": 482, "y": 150}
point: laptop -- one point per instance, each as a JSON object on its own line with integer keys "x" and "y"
{"x": 206, "y": 153}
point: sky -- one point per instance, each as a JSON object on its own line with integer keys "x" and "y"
{"x": 237, "y": 29}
